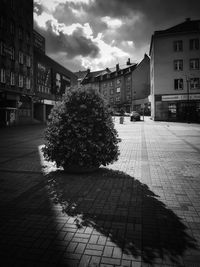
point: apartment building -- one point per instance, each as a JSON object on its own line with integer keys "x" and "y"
{"x": 16, "y": 62}
{"x": 123, "y": 87}
{"x": 175, "y": 73}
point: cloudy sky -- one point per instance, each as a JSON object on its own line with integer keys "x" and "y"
{"x": 96, "y": 34}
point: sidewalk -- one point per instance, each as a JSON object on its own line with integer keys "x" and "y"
{"x": 144, "y": 210}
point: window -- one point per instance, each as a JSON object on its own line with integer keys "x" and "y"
{"x": 2, "y": 22}
{"x": 118, "y": 81}
{"x": 194, "y": 44}
{"x": 194, "y": 83}
{"x": 178, "y": 84}
{"x": 3, "y": 75}
{"x": 194, "y": 64}
{"x": 128, "y": 97}
{"x": 117, "y": 98}
{"x": 21, "y": 80}
{"x": 28, "y": 37}
{"x": 111, "y": 100}
{"x": 111, "y": 83}
{"x": 12, "y": 27}
{"x": 12, "y": 78}
{"x": 2, "y": 48}
{"x": 178, "y": 46}
{"x": 12, "y": 4}
{"x": 118, "y": 89}
{"x": 20, "y": 33}
{"x": 178, "y": 64}
{"x": 21, "y": 57}
{"x": 12, "y": 53}
{"x": 28, "y": 61}
{"x": 28, "y": 83}
{"x": 111, "y": 91}
{"x": 104, "y": 85}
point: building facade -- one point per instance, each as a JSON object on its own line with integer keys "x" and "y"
{"x": 51, "y": 80}
{"x": 175, "y": 73}
{"x": 124, "y": 88}
{"x": 16, "y": 62}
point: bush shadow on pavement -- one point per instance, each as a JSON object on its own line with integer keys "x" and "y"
{"x": 123, "y": 210}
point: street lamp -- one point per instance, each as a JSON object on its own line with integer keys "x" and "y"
{"x": 188, "y": 98}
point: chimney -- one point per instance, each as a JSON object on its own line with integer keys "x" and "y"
{"x": 187, "y": 19}
{"x": 128, "y": 62}
{"x": 88, "y": 71}
{"x": 117, "y": 67}
{"x": 107, "y": 69}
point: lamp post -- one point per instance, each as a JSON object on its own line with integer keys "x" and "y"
{"x": 188, "y": 99}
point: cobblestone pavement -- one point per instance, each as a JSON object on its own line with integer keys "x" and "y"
{"x": 143, "y": 210}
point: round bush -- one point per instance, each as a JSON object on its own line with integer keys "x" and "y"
{"x": 80, "y": 131}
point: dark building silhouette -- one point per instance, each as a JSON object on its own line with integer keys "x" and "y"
{"x": 16, "y": 62}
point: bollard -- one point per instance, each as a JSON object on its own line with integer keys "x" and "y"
{"x": 121, "y": 120}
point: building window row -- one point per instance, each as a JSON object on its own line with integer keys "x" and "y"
{"x": 43, "y": 89}
{"x": 194, "y": 83}
{"x": 193, "y": 45}
{"x": 22, "y": 33}
{"x": 21, "y": 79}
{"x": 193, "y": 63}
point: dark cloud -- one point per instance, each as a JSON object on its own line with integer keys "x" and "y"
{"x": 140, "y": 19}
{"x": 73, "y": 45}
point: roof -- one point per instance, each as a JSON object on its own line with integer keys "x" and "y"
{"x": 188, "y": 26}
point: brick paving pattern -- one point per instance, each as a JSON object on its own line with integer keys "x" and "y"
{"x": 143, "y": 210}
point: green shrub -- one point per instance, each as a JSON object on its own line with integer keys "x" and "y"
{"x": 80, "y": 131}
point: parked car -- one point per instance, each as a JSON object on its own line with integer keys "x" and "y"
{"x": 135, "y": 116}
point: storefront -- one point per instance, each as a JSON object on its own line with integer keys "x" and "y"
{"x": 183, "y": 108}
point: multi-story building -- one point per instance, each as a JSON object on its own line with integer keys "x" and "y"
{"x": 124, "y": 88}
{"x": 51, "y": 80}
{"x": 175, "y": 72}
{"x": 16, "y": 62}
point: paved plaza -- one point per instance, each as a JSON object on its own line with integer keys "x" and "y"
{"x": 143, "y": 210}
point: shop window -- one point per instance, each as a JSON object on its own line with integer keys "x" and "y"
{"x": 178, "y": 84}
{"x": 178, "y": 64}
{"x": 194, "y": 83}
{"x": 194, "y": 64}
{"x": 194, "y": 44}
{"x": 178, "y": 46}
{"x": 3, "y": 75}
{"x": 172, "y": 110}
{"x": 12, "y": 78}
